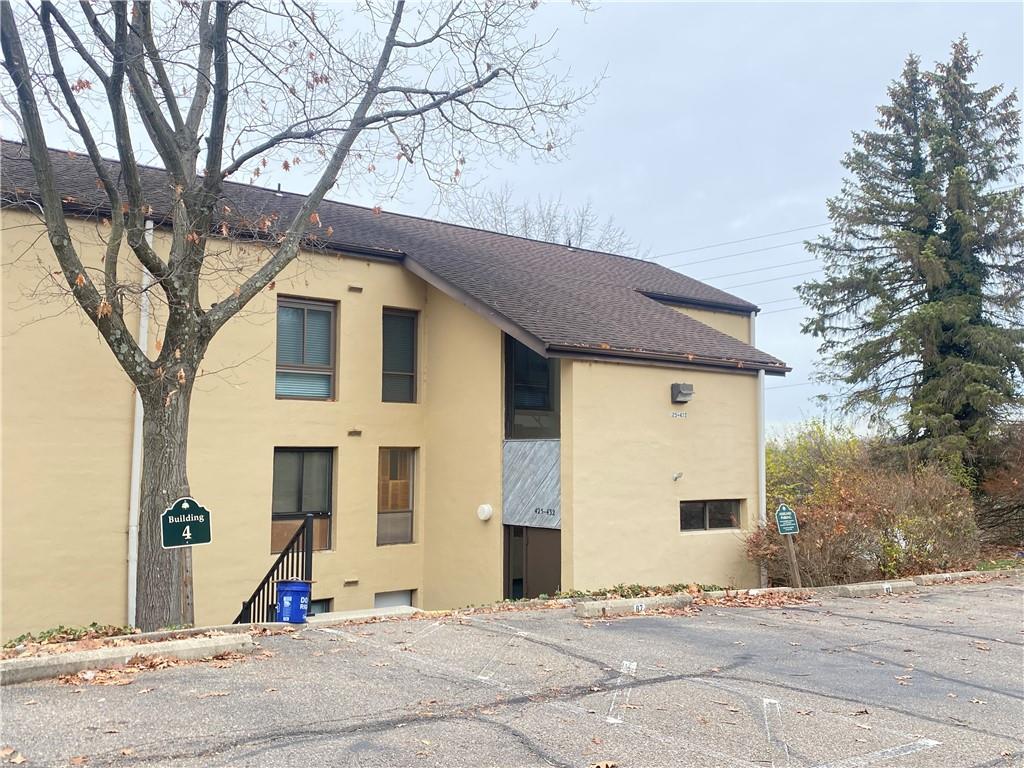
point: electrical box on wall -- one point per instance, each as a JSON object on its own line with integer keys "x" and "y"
{"x": 682, "y": 393}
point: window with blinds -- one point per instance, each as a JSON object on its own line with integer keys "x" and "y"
{"x": 302, "y": 484}
{"x": 399, "y": 365}
{"x": 305, "y": 349}
{"x": 395, "y": 495}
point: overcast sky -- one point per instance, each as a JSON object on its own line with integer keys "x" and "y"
{"x": 724, "y": 121}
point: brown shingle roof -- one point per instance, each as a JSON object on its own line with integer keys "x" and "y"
{"x": 567, "y": 299}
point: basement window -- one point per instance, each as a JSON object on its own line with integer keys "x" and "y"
{"x": 321, "y": 605}
{"x": 709, "y": 515}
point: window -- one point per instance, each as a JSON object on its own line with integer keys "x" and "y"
{"x": 394, "y": 496}
{"x": 531, "y": 393}
{"x": 399, "y": 384}
{"x": 707, "y": 515}
{"x": 321, "y": 605}
{"x": 394, "y": 599}
{"x": 302, "y": 483}
{"x": 305, "y": 349}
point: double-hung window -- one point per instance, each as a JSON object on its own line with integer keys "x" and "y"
{"x": 303, "y": 478}
{"x": 305, "y": 349}
{"x": 709, "y": 515}
{"x": 399, "y": 365}
{"x": 395, "y": 496}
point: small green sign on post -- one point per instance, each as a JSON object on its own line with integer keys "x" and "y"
{"x": 785, "y": 518}
{"x": 184, "y": 524}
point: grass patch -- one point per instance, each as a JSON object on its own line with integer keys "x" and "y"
{"x": 1000, "y": 564}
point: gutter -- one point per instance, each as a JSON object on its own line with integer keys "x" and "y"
{"x": 745, "y": 366}
{"x": 135, "y": 487}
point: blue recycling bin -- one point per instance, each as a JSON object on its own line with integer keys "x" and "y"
{"x": 293, "y": 601}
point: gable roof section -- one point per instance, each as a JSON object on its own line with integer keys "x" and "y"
{"x": 563, "y": 301}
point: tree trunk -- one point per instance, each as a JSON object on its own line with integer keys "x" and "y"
{"x": 164, "y": 579}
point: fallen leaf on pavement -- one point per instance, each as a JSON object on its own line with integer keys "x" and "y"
{"x": 212, "y": 694}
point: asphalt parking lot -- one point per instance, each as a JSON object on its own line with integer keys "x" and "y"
{"x": 932, "y": 678}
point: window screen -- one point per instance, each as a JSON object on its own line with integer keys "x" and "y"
{"x": 305, "y": 349}
{"x": 399, "y": 365}
{"x": 708, "y": 515}
{"x": 395, "y": 496}
{"x": 302, "y": 484}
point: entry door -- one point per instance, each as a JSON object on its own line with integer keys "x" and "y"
{"x": 533, "y": 561}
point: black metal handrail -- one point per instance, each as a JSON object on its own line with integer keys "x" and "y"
{"x": 294, "y": 562}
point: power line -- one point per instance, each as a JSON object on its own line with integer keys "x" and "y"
{"x": 777, "y": 301}
{"x": 741, "y": 240}
{"x": 738, "y": 253}
{"x": 797, "y": 384}
{"x": 771, "y": 280}
{"x": 774, "y": 234}
{"x": 787, "y": 309}
{"x": 758, "y": 269}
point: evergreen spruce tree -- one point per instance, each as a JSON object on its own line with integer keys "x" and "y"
{"x": 920, "y": 309}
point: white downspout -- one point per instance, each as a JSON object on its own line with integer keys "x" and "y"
{"x": 762, "y": 482}
{"x": 135, "y": 489}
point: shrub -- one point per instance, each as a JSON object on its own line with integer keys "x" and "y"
{"x": 1001, "y": 502}
{"x": 859, "y": 521}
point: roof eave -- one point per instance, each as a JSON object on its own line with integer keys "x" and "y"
{"x": 744, "y": 308}
{"x": 661, "y": 358}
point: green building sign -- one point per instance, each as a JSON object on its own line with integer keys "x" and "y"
{"x": 785, "y": 518}
{"x": 184, "y": 524}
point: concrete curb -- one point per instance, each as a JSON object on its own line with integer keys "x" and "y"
{"x": 595, "y": 609}
{"x": 181, "y": 634}
{"x": 341, "y": 617}
{"x": 31, "y": 668}
{"x": 942, "y": 578}
{"x": 868, "y": 588}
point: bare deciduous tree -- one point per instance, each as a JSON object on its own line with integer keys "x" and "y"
{"x": 547, "y": 219}
{"x": 226, "y": 90}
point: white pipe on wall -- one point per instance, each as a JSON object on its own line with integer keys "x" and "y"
{"x": 762, "y": 479}
{"x": 135, "y": 489}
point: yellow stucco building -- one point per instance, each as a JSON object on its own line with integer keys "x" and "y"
{"x": 469, "y": 416}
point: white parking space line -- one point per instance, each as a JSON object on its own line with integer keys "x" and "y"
{"x": 627, "y": 670}
{"x": 882, "y": 755}
{"x": 428, "y": 631}
{"x": 719, "y": 758}
{"x": 488, "y": 669}
{"x": 777, "y": 746}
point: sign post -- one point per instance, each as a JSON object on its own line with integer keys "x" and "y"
{"x": 184, "y": 524}
{"x": 785, "y": 519}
